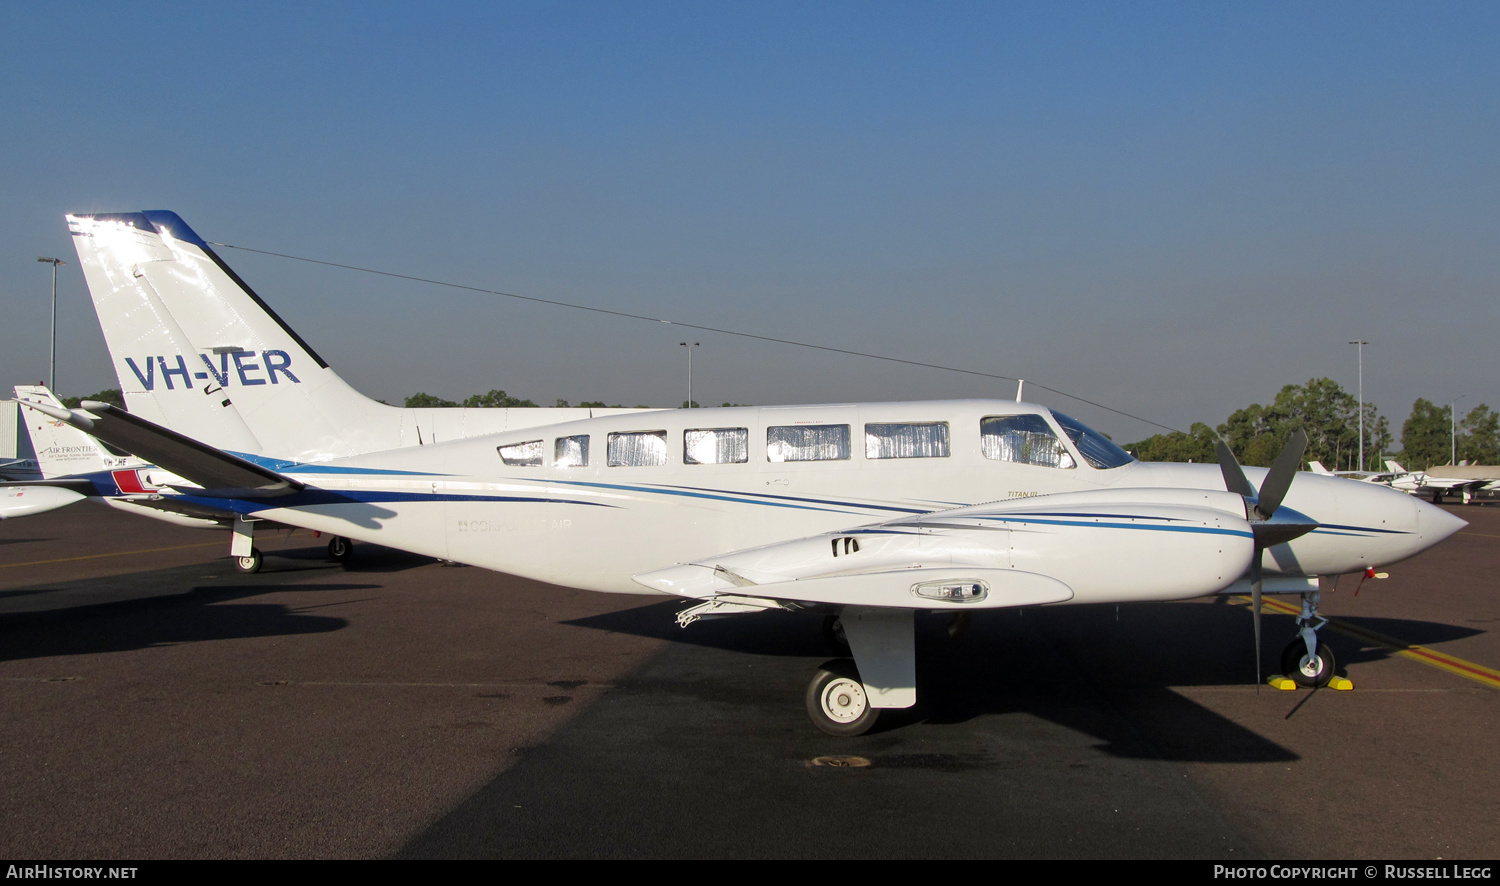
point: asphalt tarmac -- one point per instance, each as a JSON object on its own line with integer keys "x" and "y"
{"x": 158, "y": 704}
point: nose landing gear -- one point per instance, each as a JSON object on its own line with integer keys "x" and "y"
{"x": 1305, "y": 661}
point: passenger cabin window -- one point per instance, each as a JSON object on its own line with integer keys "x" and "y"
{"x": 716, "y": 446}
{"x": 571, "y": 452}
{"x": 1023, "y": 439}
{"x": 522, "y": 455}
{"x": 807, "y": 443}
{"x": 907, "y": 440}
{"x": 637, "y": 449}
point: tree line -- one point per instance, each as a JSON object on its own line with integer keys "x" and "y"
{"x": 1331, "y": 416}
{"x": 498, "y": 399}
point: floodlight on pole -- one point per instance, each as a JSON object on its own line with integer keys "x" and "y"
{"x": 690, "y": 370}
{"x": 52, "y": 374}
{"x": 1361, "y": 347}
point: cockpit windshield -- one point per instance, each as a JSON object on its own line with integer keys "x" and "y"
{"x": 1097, "y": 449}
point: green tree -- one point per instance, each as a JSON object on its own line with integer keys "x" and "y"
{"x": 496, "y": 399}
{"x": 108, "y": 395}
{"x": 1328, "y": 413}
{"x": 1480, "y": 442}
{"x": 1425, "y": 436}
{"x": 1200, "y": 445}
{"x": 427, "y": 401}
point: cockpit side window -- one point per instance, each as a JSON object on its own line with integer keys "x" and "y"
{"x": 1023, "y": 439}
{"x": 1097, "y": 449}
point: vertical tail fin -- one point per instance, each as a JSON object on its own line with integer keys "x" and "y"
{"x": 63, "y": 450}
{"x": 197, "y": 351}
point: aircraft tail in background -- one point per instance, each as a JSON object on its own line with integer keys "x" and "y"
{"x": 61, "y": 449}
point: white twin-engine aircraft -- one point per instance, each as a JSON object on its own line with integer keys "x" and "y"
{"x": 864, "y": 512}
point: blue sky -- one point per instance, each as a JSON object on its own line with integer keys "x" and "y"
{"x": 1170, "y": 208}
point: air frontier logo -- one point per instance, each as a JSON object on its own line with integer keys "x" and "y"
{"x": 248, "y": 367}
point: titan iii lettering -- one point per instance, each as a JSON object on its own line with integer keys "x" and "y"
{"x": 232, "y": 364}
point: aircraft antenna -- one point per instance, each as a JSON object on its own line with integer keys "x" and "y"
{"x": 701, "y": 328}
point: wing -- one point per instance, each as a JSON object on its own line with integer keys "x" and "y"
{"x": 1111, "y": 545}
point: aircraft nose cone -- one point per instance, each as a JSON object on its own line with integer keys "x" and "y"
{"x": 1435, "y": 524}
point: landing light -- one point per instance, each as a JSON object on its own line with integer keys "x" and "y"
{"x": 966, "y": 591}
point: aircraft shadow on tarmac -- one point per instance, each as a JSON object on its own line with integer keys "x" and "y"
{"x": 1076, "y": 667}
{"x": 366, "y": 558}
{"x": 195, "y": 613}
{"x": 1079, "y": 666}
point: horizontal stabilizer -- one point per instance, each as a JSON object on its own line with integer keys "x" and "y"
{"x": 212, "y": 469}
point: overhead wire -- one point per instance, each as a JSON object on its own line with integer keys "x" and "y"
{"x": 701, "y": 328}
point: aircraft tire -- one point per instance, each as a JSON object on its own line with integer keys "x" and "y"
{"x": 1310, "y": 675}
{"x": 249, "y": 564}
{"x": 837, "y": 702}
{"x": 340, "y": 548}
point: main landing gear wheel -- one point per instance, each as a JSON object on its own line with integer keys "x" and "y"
{"x": 1308, "y": 672}
{"x": 340, "y": 549}
{"x": 837, "y": 702}
{"x": 249, "y": 564}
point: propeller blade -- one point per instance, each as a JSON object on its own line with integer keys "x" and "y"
{"x": 1279, "y": 480}
{"x": 1234, "y": 477}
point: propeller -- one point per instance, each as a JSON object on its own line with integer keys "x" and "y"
{"x": 1260, "y": 509}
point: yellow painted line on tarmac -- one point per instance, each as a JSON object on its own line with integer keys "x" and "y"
{"x": 115, "y": 554}
{"x": 1430, "y": 657}
{"x": 1480, "y": 534}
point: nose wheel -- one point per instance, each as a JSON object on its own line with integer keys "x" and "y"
{"x": 1307, "y": 662}
{"x": 1309, "y": 671}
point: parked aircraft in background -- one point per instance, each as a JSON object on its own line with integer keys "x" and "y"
{"x": 1463, "y": 480}
{"x": 19, "y": 469}
{"x": 1384, "y": 477}
{"x": 71, "y": 461}
{"x": 867, "y": 512}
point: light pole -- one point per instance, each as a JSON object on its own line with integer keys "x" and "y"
{"x": 1360, "y": 343}
{"x": 1453, "y": 430}
{"x": 690, "y": 370}
{"x": 52, "y": 375}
